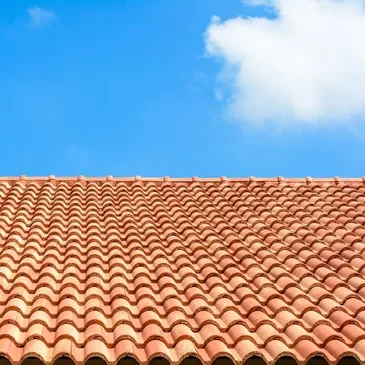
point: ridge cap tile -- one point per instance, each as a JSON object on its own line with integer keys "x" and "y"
{"x": 335, "y": 180}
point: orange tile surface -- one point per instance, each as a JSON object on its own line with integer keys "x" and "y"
{"x": 186, "y": 267}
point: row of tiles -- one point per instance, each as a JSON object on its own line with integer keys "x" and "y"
{"x": 352, "y": 307}
{"x": 332, "y": 352}
{"x": 350, "y": 334}
{"x": 332, "y": 285}
{"x": 288, "y": 265}
{"x": 336, "y": 320}
{"x": 127, "y": 249}
{"x": 120, "y": 188}
{"x": 185, "y": 294}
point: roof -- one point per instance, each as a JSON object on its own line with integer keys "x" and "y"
{"x": 204, "y": 268}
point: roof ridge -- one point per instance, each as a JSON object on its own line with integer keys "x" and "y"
{"x": 279, "y": 179}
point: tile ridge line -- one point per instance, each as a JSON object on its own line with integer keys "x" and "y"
{"x": 278, "y": 179}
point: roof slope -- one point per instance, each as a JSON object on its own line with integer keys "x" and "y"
{"x": 177, "y": 268}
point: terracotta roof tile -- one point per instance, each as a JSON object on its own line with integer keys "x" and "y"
{"x": 166, "y": 267}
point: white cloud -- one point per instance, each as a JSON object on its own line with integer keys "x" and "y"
{"x": 304, "y": 65}
{"x": 40, "y": 17}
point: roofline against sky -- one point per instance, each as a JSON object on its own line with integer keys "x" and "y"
{"x": 279, "y": 179}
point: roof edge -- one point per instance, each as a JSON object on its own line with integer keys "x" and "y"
{"x": 279, "y": 179}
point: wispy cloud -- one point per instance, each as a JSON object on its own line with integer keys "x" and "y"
{"x": 304, "y": 65}
{"x": 40, "y": 17}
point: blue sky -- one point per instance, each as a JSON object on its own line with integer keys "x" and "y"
{"x": 125, "y": 87}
